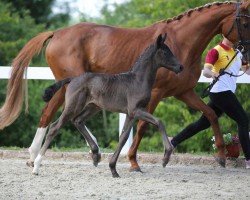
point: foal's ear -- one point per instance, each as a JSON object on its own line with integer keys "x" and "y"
{"x": 164, "y": 38}
{"x": 160, "y": 40}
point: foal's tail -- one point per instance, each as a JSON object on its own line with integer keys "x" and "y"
{"x": 51, "y": 90}
{"x": 15, "y": 90}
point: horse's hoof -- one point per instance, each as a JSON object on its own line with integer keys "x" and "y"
{"x": 136, "y": 169}
{"x": 221, "y": 161}
{"x": 35, "y": 173}
{"x": 96, "y": 159}
{"x": 30, "y": 163}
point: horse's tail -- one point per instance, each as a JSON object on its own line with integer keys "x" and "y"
{"x": 15, "y": 90}
{"x": 51, "y": 90}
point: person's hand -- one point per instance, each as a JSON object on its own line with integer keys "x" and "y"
{"x": 247, "y": 69}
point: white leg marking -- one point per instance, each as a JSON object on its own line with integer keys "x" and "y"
{"x": 95, "y": 140}
{"x": 37, "y": 164}
{"x": 37, "y": 143}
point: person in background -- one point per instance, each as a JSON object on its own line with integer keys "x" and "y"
{"x": 222, "y": 95}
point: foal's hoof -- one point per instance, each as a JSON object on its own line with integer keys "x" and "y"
{"x": 167, "y": 156}
{"x": 96, "y": 158}
{"x": 136, "y": 169}
{"x": 30, "y": 163}
{"x": 221, "y": 161}
{"x": 115, "y": 175}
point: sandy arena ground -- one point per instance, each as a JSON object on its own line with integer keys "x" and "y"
{"x": 79, "y": 179}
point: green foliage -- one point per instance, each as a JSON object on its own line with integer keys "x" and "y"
{"x": 139, "y": 13}
{"x": 22, "y": 131}
{"x": 41, "y": 11}
{"x": 14, "y": 32}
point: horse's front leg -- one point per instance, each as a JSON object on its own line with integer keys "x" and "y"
{"x": 122, "y": 140}
{"x": 47, "y": 115}
{"x": 153, "y": 120}
{"x": 193, "y": 101}
{"x": 141, "y": 128}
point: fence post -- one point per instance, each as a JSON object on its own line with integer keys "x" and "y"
{"x": 127, "y": 145}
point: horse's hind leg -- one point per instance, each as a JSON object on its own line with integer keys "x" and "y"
{"x": 47, "y": 115}
{"x": 79, "y": 123}
{"x": 53, "y": 131}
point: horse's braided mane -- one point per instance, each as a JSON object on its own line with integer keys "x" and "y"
{"x": 200, "y": 8}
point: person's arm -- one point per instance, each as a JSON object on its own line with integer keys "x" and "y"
{"x": 211, "y": 58}
{"x": 207, "y": 72}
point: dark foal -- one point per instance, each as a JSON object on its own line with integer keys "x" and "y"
{"x": 125, "y": 93}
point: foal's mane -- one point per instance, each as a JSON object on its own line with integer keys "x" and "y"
{"x": 144, "y": 56}
{"x": 200, "y": 8}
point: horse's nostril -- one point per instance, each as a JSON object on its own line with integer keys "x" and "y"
{"x": 181, "y": 67}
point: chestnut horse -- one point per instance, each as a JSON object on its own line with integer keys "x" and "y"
{"x": 105, "y": 49}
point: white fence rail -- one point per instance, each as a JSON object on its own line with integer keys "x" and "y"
{"x": 44, "y": 73}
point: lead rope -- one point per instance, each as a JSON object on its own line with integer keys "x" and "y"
{"x": 233, "y": 75}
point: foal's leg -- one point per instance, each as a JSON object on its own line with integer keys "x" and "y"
{"x": 47, "y": 115}
{"x": 79, "y": 123}
{"x": 122, "y": 140}
{"x": 193, "y": 101}
{"x": 53, "y": 131}
{"x": 141, "y": 128}
{"x": 140, "y": 114}
{"x": 96, "y": 155}
{"x": 93, "y": 137}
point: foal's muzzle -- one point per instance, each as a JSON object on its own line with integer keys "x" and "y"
{"x": 179, "y": 69}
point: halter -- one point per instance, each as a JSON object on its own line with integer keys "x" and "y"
{"x": 241, "y": 43}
